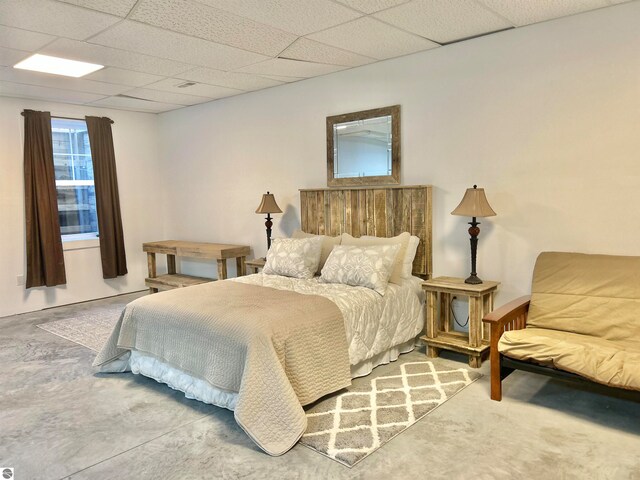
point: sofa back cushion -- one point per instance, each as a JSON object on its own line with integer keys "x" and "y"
{"x": 597, "y": 295}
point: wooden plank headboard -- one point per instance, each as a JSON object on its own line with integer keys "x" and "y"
{"x": 379, "y": 211}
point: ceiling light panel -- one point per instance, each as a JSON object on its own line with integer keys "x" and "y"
{"x": 372, "y": 6}
{"x": 372, "y": 38}
{"x": 311, "y": 51}
{"x": 56, "y": 81}
{"x": 525, "y": 12}
{"x": 444, "y": 21}
{"x": 54, "y": 18}
{"x": 136, "y": 105}
{"x": 296, "y": 16}
{"x": 293, "y": 68}
{"x": 213, "y": 24}
{"x": 121, "y": 8}
{"x": 11, "y": 89}
{"x": 123, "y": 77}
{"x": 200, "y": 89}
{"x": 114, "y": 57}
{"x": 175, "y": 46}
{"x": 57, "y": 66}
{"x": 23, "y": 39}
{"x": 240, "y": 81}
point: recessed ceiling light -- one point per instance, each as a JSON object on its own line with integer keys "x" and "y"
{"x": 57, "y": 66}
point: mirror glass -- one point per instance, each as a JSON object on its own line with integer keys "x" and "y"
{"x": 363, "y": 148}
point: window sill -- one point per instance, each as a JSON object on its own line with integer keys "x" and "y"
{"x": 80, "y": 244}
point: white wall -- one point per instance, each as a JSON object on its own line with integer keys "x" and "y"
{"x": 141, "y": 196}
{"x": 546, "y": 118}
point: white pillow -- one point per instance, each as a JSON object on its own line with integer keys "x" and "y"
{"x": 293, "y": 257}
{"x": 361, "y": 266}
{"x": 402, "y": 240}
{"x": 409, "y": 256}
{"x": 327, "y": 244}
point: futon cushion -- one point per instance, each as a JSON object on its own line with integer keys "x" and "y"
{"x": 616, "y": 364}
{"x": 597, "y": 295}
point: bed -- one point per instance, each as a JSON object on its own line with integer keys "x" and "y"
{"x": 282, "y": 342}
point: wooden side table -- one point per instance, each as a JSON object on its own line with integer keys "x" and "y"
{"x": 172, "y": 248}
{"x": 255, "y": 264}
{"x": 439, "y": 328}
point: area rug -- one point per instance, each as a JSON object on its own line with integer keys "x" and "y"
{"x": 350, "y": 426}
{"x": 90, "y": 329}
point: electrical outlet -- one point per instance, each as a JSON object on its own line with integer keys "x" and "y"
{"x": 20, "y": 280}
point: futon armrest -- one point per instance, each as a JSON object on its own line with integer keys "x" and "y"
{"x": 509, "y": 312}
{"x": 512, "y": 316}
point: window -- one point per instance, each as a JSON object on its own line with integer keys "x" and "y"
{"x": 74, "y": 180}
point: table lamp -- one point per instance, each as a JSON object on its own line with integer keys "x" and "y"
{"x": 268, "y": 206}
{"x": 474, "y": 204}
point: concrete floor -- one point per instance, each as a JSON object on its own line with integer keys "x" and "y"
{"x": 59, "y": 419}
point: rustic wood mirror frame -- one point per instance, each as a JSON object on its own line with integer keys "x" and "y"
{"x": 394, "y": 178}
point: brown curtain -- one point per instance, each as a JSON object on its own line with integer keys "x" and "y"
{"x": 45, "y": 258}
{"x": 114, "y": 260}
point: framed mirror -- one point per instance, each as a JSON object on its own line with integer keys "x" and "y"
{"x": 363, "y": 148}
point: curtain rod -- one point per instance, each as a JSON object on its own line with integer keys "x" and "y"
{"x": 69, "y": 118}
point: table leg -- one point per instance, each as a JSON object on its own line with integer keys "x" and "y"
{"x": 151, "y": 265}
{"x": 431, "y": 322}
{"x": 445, "y": 312}
{"x": 222, "y": 269}
{"x": 475, "y": 322}
{"x": 475, "y": 361}
{"x": 240, "y": 266}
{"x": 171, "y": 264}
{"x": 487, "y": 307}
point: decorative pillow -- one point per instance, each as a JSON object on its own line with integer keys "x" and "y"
{"x": 409, "y": 256}
{"x": 293, "y": 257}
{"x": 361, "y": 266}
{"x": 327, "y": 244}
{"x": 402, "y": 240}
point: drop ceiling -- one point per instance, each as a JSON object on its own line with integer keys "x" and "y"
{"x": 160, "y": 55}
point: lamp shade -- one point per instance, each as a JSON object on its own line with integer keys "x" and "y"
{"x": 474, "y": 204}
{"x": 268, "y": 204}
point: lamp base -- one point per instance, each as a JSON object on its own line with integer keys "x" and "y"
{"x": 473, "y": 280}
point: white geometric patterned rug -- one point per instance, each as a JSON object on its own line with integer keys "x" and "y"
{"x": 350, "y": 426}
{"x": 90, "y": 329}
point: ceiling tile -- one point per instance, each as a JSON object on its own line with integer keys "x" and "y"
{"x": 200, "y": 89}
{"x": 311, "y": 51}
{"x": 123, "y": 77}
{"x": 23, "y": 39}
{"x": 55, "y": 18}
{"x": 166, "y": 97}
{"x": 125, "y": 103}
{"x": 175, "y": 46}
{"x": 525, "y": 12}
{"x": 10, "y": 89}
{"x": 121, "y": 8}
{"x": 10, "y": 74}
{"x": 9, "y": 57}
{"x": 241, "y": 81}
{"x": 372, "y": 38}
{"x": 296, "y": 16}
{"x": 112, "y": 57}
{"x": 372, "y": 6}
{"x": 213, "y": 24}
{"x": 293, "y": 68}
{"x": 443, "y": 20}
{"x": 282, "y": 78}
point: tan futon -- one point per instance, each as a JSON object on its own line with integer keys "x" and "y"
{"x": 583, "y": 317}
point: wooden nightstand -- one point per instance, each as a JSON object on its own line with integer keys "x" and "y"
{"x": 439, "y": 328}
{"x": 255, "y": 264}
